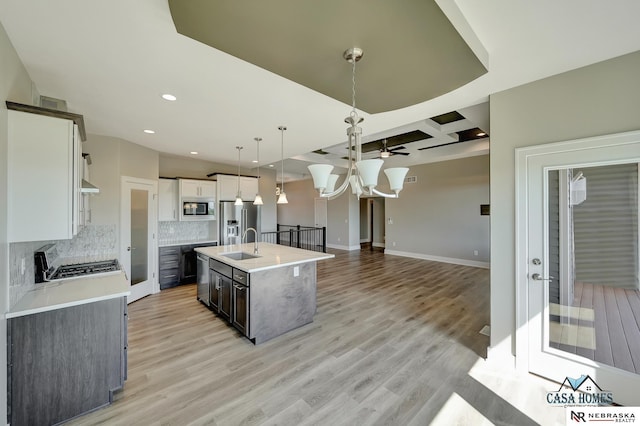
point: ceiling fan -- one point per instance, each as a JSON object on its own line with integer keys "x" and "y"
{"x": 386, "y": 153}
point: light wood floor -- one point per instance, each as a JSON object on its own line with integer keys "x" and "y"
{"x": 393, "y": 342}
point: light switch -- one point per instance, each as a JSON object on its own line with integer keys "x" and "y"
{"x": 296, "y": 271}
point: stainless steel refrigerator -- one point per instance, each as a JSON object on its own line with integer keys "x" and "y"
{"x": 235, "y": 220}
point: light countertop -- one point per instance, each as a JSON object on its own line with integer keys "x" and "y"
{"x": 185, "y": 243}
{"x": 271, "y": 256}
{"x": 63, "y": 294}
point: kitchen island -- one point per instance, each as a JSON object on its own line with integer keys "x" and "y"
{"x": 263, "y": 295}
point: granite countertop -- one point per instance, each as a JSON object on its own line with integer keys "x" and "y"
{"x": 63, "y": 294}
{"x": 270, "y": 256}
{"x": 184, "y": 243}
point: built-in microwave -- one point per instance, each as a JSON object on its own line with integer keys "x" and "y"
{"x": 198, "y": 209}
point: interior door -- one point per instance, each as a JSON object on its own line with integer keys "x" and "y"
{"x": 577, "y": 216}
{"x": 320, "y": 208}
{"x": 138, "y": 246}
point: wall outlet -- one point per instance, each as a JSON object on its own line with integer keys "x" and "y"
{"x": 338, "y": 239}
{"x": 296, "y": 271}
{"x": 390, "y": 221}
{"x": 475, "y": 252}
{"x": 393, "y": 243}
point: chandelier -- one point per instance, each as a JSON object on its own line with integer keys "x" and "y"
{"x": 362, "y": 175}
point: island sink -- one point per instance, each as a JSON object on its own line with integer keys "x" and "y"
{"x": 239, "y": 256}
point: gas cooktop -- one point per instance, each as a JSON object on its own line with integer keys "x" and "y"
{"x": 48, "y": 267}
{"x": 82, "y": 269}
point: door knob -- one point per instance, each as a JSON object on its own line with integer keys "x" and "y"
{"x": 129, "y": 248}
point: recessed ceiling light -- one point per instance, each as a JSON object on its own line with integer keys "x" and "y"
{"x": 149, "y": 131}
{"x": 270, "y": 165}
{"x": 194, "y": 152}
{"x": 481, "y": 134}
{"x": 254, "y": 161}
{"x": 169, "y": 97}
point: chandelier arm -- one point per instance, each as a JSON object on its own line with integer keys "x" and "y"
{"x": 341, "y": 188}
{"x": 382, "y": 194}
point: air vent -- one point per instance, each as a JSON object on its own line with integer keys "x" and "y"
{"x": 53, "y": 103}
{"x": 320, "y": 151}
{"x": 411, "y": 179}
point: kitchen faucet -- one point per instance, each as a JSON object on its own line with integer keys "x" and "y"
{"x": 244, "y": 236}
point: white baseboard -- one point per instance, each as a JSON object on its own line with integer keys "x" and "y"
{"x": 364, "y": 240}
{"x": 455, "y": 261}
{"x": 341, "y": 247}
{"x": 378, "y": 245}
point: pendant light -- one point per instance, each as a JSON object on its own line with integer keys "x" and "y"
{"x": 258, "y": 200}
{"x": 238, "y": 195}
{"x": 362, "y": 174}
{"x": 282, "y": 199}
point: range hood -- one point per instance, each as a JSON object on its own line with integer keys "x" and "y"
{"x": 89, "y": 188}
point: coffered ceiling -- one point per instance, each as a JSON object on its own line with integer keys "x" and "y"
{"x": 111, "y": 61}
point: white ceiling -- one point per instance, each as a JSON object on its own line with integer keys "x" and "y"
{"x": 111, "y": 61}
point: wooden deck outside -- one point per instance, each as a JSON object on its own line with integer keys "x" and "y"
{"x": 603, "y": 325}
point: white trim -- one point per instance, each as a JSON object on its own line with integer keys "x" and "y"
{"x": 341, "y": 247}
{"x": 153, "y": 219}
{"x": 464, "y": 262}
{"x": 531, "y": 167}
{"x": 364, "y": 240}
{"x": 378, "y": 245}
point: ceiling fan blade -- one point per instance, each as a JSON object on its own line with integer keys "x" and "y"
{"x": 400, "y": 153}
{"x": 396, "y": 148}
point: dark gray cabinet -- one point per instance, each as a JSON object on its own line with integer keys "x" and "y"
{"x": 240, "y": 301}
{"x": 178, "y": 264}
{"x": 65, "y": 362}
{"x": 221, "y": 288}
{"x": 169, "y": 267}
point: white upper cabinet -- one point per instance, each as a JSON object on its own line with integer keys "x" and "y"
{"x": 167, "y": 200}
{"x": 197, "y": 189}
{"x": 228, "y": 187}
{"x": 43, "y": 178}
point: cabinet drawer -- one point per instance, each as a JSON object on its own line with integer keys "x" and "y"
{"x": 170, "y": 251}
{"x": 224, "y": 269}
{"x": 241, "y": 277}
{"x": 168, "y": 276}
{"x": 169, "y": 263}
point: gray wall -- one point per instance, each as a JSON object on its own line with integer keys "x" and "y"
{"x": 600, "y": 99}
{"x": 15, "y": 85}
{"x": 301, "y": 207}
{"x": 439, "y": 216}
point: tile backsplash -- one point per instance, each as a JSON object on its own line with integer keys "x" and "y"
{"x": 194, "y": 231}
{"x": 94, "y": 242}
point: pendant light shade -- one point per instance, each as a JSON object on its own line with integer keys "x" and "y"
{"x": 320, "y": 174}
{"x": 282, "y": 199}
{"x": 396, "y": 177}
{"x": 258, "y": 200}
{"x": 368, "y": 171}
{"x": 331, "y": 183}
{"x": 238, "y": 194}
{"x": 362, "y": 175}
